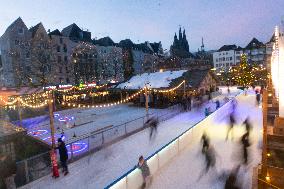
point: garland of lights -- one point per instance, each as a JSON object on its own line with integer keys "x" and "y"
{"x": 120, "y": 101}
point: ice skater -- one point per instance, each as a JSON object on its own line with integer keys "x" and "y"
{"x": 245, "y": 144}
{"x": 142, "y": 165}
{"x": 210, "y": 160}
{"x": 153, "y": 124}
{"x": 257, "y": 98}
{"x": 231, "y": 126}
{"x": 231, "y": 181}
{"x": 247, "y": 125}
{"x": 205, "y": 143}
{"x": 217, "y": 102}
{"x": 63, "y": 153}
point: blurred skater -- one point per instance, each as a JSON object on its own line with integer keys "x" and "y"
{"x": 258, "y": 98}
{"x": 189, "y": 103}
{"x": 231, "y": 126}
{"x": 231, "y": 181}
{"x": 210, "y": 160}
{"x": 153, "y": 124}
{"x": 205, "y": 143}
{"x": 142, "y": 165}
{"x": 245, "y": 144}
{"x": 247, "y": 125}
{"x": 217, "y": 102}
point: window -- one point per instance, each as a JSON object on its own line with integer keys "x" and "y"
{"x": 223, "y": 58}
{"x": 67, "y": 71}
{"x": 28, "y": 68}
{"x": 226, "y": 52}
{"x": 28, "y": 55}
{"x": 64, "y": 48}
{"x": 61, "y": 40}
{"x": 59, "y": 59}
{"x": 67, "y": 80}
{"x": 231, "y": 58}
{"x": 60, "y": 69}
{"x": 60, "y": 80}
{"x": 216, "y": 59}
{"x": 21, "y": 31}
{"x": 58, "y": 48}
{"x": 17, "y": 42}
{"x": 65, "y": 58}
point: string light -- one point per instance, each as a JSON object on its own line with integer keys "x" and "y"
{"x": 123, "y": 100}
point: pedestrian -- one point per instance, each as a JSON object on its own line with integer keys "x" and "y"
{"x": 231, "y": 125}
{"x": 63, "y": 153}
{"x": 205, "y": 143}
{"x": 245, "y": 144}
{"x": 145, "y": 170}
{"x": 7, "y": 172}
{"x": 184, "y": 103}
{"x": 206, "y": 112}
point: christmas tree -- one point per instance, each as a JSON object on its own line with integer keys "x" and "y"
{"x": 242, "y": 74}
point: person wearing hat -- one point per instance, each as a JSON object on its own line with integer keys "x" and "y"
{"x": 63, "y": 153}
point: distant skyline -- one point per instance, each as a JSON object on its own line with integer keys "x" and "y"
{"x": 219, "y": 22}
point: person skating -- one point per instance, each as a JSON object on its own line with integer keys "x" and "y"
{"x": 231, "y": 181}
{"x": 245, "y": 144}
{"x": 247, "y": 125}
{"x": 142, "y": 165}
{"x": 63, "y": 153}
{"x": 205, "y": 143}
{"x": 258, "y": 98}
{"x": 217, "y": 104}
{"x": 153, "y": 124}
{"x": 210, "y": 160}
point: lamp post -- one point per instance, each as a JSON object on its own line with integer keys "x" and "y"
{"x": 52, "y": 131}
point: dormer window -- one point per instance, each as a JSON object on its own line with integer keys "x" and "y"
{"x": 21, "y": 31}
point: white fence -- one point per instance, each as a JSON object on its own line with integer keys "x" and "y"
{"x": 133, "y": 178}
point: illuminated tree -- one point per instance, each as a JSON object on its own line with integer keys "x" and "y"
{"x": 242, "y": 74}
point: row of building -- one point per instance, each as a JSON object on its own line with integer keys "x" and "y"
{"x": 229, "y": 55}
{"x": 35, "y": 56}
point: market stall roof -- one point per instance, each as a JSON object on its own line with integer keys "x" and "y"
{"x": 152, "y": 80}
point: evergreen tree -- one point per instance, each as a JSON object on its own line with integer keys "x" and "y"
{"x": 242, "y": 74}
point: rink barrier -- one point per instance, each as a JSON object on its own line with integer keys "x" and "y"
{"x": 132, "y": 179}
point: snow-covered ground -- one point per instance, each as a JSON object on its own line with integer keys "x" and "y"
{"x": 103, "y": 167}
{"x": 152, "y": 80}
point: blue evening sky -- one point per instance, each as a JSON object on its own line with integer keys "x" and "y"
{"x": 218, "y": 21}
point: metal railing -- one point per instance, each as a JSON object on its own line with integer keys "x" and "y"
{"x": 39, "y": 166}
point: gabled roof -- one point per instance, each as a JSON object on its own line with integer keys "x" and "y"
{"x": 55, "y": 32}
{"x": 34, "y": 29}
{"x": 126, "y": 43}
{"x": 227, "y": 48}
{"x": 105, "y": 41}
{"x": 192, "y": 77}
{"x": 75, "y": 33}
{"x": 254, "y": 43}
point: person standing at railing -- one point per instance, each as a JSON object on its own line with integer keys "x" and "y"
{"x": 63, "y": 153}
{"x": 145, "y": 170}
{"x": 7, "y": 172}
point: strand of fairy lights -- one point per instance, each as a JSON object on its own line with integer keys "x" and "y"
{"x": 120, "y": 101}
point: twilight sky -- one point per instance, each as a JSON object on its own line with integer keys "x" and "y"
{"x": 218, "y": 21}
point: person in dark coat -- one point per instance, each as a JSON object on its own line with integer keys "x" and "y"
{"x": 145, "y": 170}
{"x": 245, "y": 144}
{"x": 153, "y": 124}
{"x": 217, "y": 104}
{"x": 231, "y": 181}
{"x": 63, "y": 153}
{"x": 231, "y": 125}
{"x": 205, "y": 143}
{"x": 258, "y": 98}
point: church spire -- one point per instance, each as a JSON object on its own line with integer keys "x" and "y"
{"x": 202, "y": 45}
{"x": 179, "y": 34}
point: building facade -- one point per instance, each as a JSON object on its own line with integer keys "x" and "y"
{"x": 15, "y": 55}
